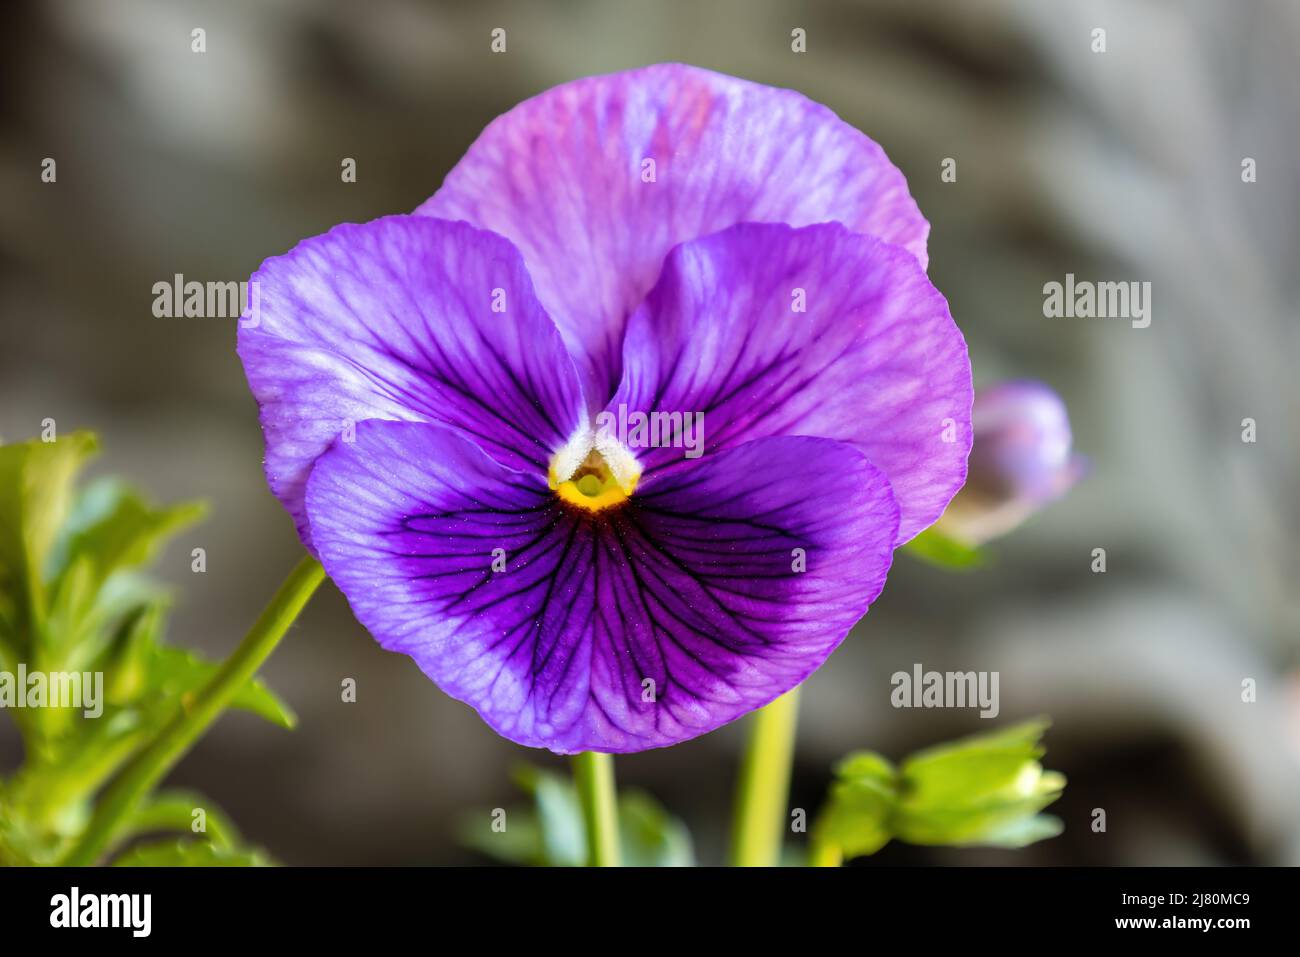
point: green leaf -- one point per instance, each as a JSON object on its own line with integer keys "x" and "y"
{"x": 174, "y": 811}
{"x": 649, "y": 835}
{"x": 868, "y": 769}
{"x": 550, "y": 833}
{"x": 966, "y": 770}
{"x": 74, "y": 597}
{"x": 50, "y": 792}
{"x": 1023, "y": 832}
{"x": 969, "y": 825}
{"x": 553, "y": 833}
{"x": 984, "y": 789}
{"x": 559, "y": 817}
{"x": 36, "y": 490}
{"x": 110, "y": 532}
{"x": 134, "y": 646}
{"x": 73, "y": 626}
{"x": 188, "y": 853}
{"x": 114, "y": 528}
{"x": 175, "y": 672}
{"x": 935, "y": 548}
{"x": 862, "y": 801}
{"x": 519, "y": 843}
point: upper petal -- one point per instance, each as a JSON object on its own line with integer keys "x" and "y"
{"x": 406, "y": 317}
{"x": 565, "y": 174}
{"x": 696, "y": 602}
{"x": 766, "y": 330}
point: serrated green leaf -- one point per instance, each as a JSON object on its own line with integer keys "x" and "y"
{"x": 937, "y": 549}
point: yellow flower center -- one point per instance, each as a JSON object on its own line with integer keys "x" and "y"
{"x": 592, "y": 486}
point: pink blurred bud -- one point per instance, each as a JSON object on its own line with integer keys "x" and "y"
{"x": 1021, "y": 460}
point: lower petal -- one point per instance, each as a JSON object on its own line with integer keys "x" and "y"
{"x": 706, "y": 596}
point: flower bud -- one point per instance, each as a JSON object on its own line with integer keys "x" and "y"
{"x": 1020, "y": 461}
{"x": 984, "y": 790}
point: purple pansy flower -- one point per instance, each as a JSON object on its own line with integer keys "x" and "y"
{"x": 729, "y": 262}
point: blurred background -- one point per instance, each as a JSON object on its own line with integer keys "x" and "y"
{"x": 1121, "y": 166}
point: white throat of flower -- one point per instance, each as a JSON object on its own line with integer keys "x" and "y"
{"x": 593, "y": 470}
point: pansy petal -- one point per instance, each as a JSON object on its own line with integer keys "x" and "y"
{"x": 765, "y": 330}
{"x": 708, "y": 594}
{"x": 408, "y": 318}
{"x": 596, "y": 180}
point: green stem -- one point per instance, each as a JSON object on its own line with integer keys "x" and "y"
{"x": 593, "y": 776}
{"x": 148, "y": 767}
{"x": 758, "y": 828}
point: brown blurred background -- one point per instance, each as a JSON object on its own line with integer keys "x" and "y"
{"x": 1123, "y": 166}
